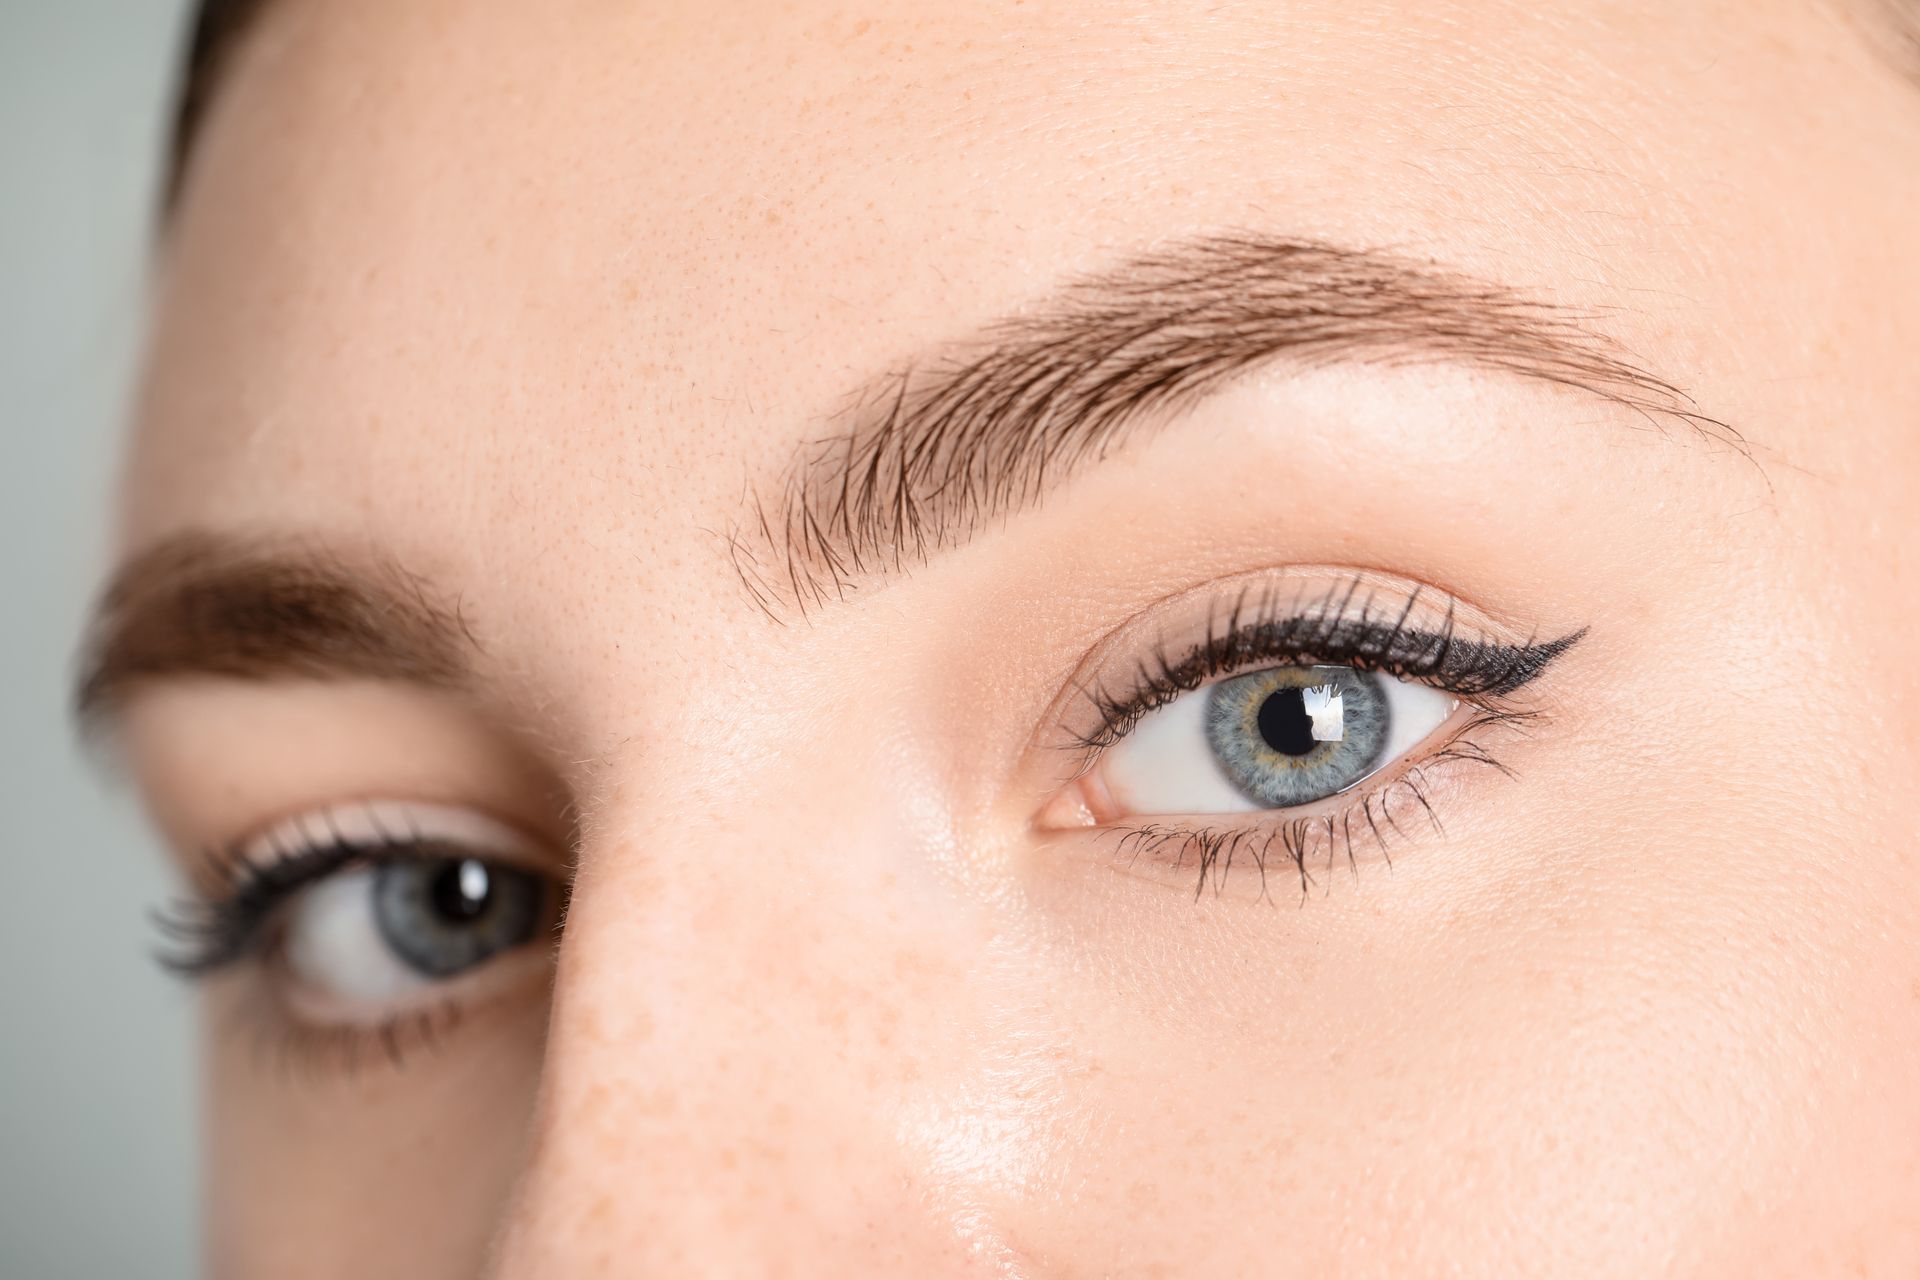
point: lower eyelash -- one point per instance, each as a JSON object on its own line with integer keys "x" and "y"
{"x": 321, "y": 1053}
{"x": 1316, "y": 844}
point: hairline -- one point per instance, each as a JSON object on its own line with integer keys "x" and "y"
{"x": 1891, "y": 28}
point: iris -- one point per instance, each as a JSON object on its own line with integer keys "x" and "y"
{"x": 1289, "y": 736}
{"x": 442, "y": 916}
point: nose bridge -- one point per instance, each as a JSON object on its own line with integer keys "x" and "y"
{"x": 745, "y": 999}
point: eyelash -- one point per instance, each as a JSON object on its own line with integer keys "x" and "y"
{"x": 322, "y": 1053}
{"x": 219, "y": 928}
{"x": 231, "y": 922}
{"x": 1481, "y": 673}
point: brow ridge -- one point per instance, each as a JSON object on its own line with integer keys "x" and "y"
{"x": 921, "y": 458}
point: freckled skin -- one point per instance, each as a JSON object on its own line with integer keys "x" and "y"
{"x": 525, "y": 295}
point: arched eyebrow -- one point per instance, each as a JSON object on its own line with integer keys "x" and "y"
{"x": 927, "y": 454}
{"x": 204, "y": 604}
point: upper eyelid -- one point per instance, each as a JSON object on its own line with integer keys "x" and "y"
{"x": 1452, "y": 631}
{"x": 1348, "y": 582}
{"x": 1198, "y": 313}
{"x": 375, "y": 822}
{"x": 1154, "y": 693}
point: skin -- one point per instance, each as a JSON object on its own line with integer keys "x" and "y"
{"x": 523, "y": 297}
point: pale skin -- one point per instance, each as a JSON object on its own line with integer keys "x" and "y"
{"x": 528, "y": 298}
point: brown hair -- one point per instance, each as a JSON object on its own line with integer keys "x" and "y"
{"x": 1891, "y": 25}
{"x": 217, "y": 28}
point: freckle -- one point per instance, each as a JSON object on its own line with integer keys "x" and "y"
{"x": 599, "y": 1214}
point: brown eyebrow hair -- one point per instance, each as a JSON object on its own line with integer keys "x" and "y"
{"x": 925, "y": 455}
{"x": 200, "y": 604}
{"x": 212, "y": 38}
{"x": 931, "y": 453}
{"x": 1892, "y": 27}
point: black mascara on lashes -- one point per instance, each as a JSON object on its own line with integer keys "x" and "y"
{"x": 1325, "y": 632}
{"x": 209, "y": 933}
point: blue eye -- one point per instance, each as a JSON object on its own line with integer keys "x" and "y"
{"x": 1293, "y": 735}
{"x": 1272, "y": 739}
{"x": 444, "y": 916}
{"x": 376, "y": 909}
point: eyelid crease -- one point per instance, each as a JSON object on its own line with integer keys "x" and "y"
{"x": 934, "y": 451}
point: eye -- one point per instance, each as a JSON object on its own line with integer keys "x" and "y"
{"x": 371, "y": 939}
{"x": 366, "y": 912}
{"x": 1277, "y": 738}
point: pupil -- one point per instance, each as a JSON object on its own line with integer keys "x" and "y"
{"x": 462, "y": 890}
{"x": 1284, "y": 723}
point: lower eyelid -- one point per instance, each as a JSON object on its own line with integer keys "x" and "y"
{"x": 308, "y": 1003}
{"x": 1275, "y": 850}
{"x": 316, "y": 1050}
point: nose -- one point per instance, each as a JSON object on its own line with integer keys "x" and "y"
{"x": 768, "y": 1021}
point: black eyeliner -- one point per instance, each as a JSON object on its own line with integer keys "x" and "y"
{"x": 1327, "y": 633}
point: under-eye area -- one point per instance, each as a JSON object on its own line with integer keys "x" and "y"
{"x": 369, "y": 927}
{"x": 1306, "y": 720}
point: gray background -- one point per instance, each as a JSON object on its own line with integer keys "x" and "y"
{"x": 97, "y": 1169}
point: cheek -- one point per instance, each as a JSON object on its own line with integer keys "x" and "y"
{"x": 426, "y": 1159}
{"x": 1533, "y": 1113}
{"x": 1657, "y": 1009}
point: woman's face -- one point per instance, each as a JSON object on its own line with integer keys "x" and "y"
{"x": 1156, "y": 639}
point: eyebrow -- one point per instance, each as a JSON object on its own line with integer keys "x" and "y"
{"x": 202, "y": 604}
{"x": 926, "y": 455}
{"x": 212, "y": 41}
{"x": 1892, "y": 29}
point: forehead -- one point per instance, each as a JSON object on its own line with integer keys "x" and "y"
{"x": 572, "y": 251}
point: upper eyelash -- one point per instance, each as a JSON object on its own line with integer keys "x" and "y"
{"x": 212, "y": 930}
{"x": 1469, "y": 668}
